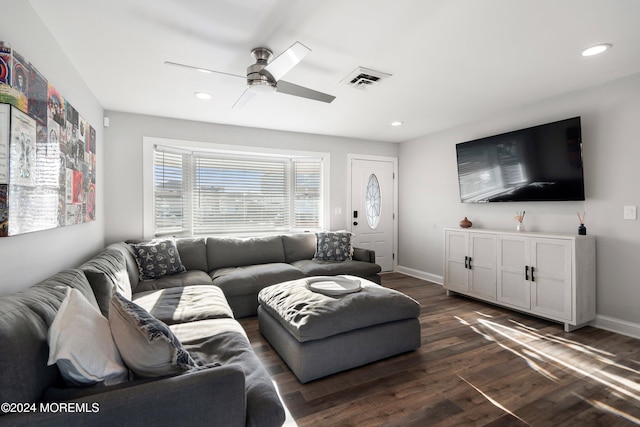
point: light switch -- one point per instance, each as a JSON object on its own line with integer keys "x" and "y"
{"x": 630, "y": 212}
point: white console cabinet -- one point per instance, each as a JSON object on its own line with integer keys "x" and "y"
{"x": 547, "y": 275}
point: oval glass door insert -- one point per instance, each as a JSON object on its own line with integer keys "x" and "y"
{"x": 372, "y": 201}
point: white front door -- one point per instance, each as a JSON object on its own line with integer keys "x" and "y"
{"x": 372, "y": 208}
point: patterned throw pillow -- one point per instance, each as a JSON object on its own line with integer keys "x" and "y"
{"x": 333, "y": 246}
{"x": 157, "y": 258}
{"x": 147, "y": 345}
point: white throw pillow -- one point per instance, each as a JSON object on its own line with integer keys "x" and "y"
{"x": 81, "y": 344}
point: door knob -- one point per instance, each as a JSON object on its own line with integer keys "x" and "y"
{"x": 355, "y": 222}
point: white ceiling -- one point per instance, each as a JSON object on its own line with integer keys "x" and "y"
{"x": 453, "y": 61}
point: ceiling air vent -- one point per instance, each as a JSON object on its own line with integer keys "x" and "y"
{"x": 363, "y": 78}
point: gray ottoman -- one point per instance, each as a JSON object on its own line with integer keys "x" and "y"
{"x": 318, "y": 335}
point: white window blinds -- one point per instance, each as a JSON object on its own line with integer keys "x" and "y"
{"x": 199, "y": 193}
{"x": 171, "y": 192}
{"x": 307, "y": 188}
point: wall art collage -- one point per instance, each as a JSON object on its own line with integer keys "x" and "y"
{"x": 47, "y": 153}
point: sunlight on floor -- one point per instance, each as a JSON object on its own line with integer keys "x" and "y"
{"x": 604, "y": 407}
{"x": 553, "y": 357}
{"x": 491, "y": 400}
{"x": 289, "y": 421}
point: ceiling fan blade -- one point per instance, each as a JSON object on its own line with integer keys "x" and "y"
{"x": 304, "y": 92}
{"x": 244, "y": 98}
{"x": 204, "y": 70}
{"x": 288, "y": 59}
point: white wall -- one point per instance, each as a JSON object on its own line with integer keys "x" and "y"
{"x": 429, "y": 195}
{"x": 29, "y": 258}
{"x": 123, "y": 157}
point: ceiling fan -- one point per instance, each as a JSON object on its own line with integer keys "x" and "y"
{"x": 265, "y": 76}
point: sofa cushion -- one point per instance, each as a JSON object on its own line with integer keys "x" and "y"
{"x": 193, "y": 253}
{"x": 224, "y": 341}
{"x": 114, "y": 266}
{"x": 157, "y": 259}
{"x": 185, "y": 304}
{"x": 146, "y": 345}
{"x": 81, "y": 345}
{"x": 187, "y": 278}
{"x": 237, "y": 252}
{"x": 333, "y": 246}
{"x": 299, "y": 246}
{"x": 25, "y": 318}
{"x": 331, "y": 268}
{"x": 251, "y": 278}
{"x": 102, "y": 288}
{"x": 130, "y": 260}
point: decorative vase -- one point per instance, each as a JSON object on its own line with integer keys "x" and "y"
{"x": 520, "y": 227}
{"x": 465, "y": 223}
{"x": 582, "y": 230}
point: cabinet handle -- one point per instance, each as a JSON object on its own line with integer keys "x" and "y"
{"x": 470, "y": 267}
{"x": 526, "y": 272}
{"x": 532, "y": 270}
{"x": 466, "y": 260}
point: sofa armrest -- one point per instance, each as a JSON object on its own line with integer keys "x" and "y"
{"x": 361, "y": 254}
{"x": 212, "y": 396}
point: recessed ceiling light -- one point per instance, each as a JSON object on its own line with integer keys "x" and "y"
{"x": 202, "y": 95}
{"x": 594, "y": 50}
{"x": 397, "y": 123}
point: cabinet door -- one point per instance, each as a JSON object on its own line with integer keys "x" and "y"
{"x": 551, "y": 281}
{"x": 456, "y": 249}
{"x": 513, "y": 280}
{"x": 482, "y": 267}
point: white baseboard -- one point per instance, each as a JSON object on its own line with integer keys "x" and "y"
{"x": 616, "y": 325}
{"x": 420, "y": 274}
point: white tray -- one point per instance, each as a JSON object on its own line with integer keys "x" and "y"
{"x": 333, "y": 285}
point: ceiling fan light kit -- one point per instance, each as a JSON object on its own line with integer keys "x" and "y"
{"x": 264, "y": 76}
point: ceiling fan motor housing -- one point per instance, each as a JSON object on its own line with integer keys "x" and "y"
{"x": 258, "y": 79}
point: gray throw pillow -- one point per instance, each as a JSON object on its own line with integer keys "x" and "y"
{"x": 333, "y": 246}
{"x": 147, "y": 345}
{"x": 157, "y": 258}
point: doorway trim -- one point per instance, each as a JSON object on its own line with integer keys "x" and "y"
{"x": 394, "y": 160}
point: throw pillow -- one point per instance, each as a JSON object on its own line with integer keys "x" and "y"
{"x": 333, "y": 246}
{"x": 81, "y": 345}
{"x": 146, "y": 344}
{"x": 157, "y": 258}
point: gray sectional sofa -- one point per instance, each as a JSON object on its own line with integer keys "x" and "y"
{"x": 222, "y": 279}
{"x": 241, "y": 267}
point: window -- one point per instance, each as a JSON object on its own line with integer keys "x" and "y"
{"x": 206, "y": 192}
{"x": 372, "y": 201}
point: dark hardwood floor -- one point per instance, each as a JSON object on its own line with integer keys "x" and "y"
{"x": 478, "y": 365}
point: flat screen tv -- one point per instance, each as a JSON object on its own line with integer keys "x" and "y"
{"x": 540, "y": 163}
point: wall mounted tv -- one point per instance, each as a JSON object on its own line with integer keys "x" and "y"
{"x": 540, "y": 163}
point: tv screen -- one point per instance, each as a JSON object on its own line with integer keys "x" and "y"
{"x": 540, "y": 163}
